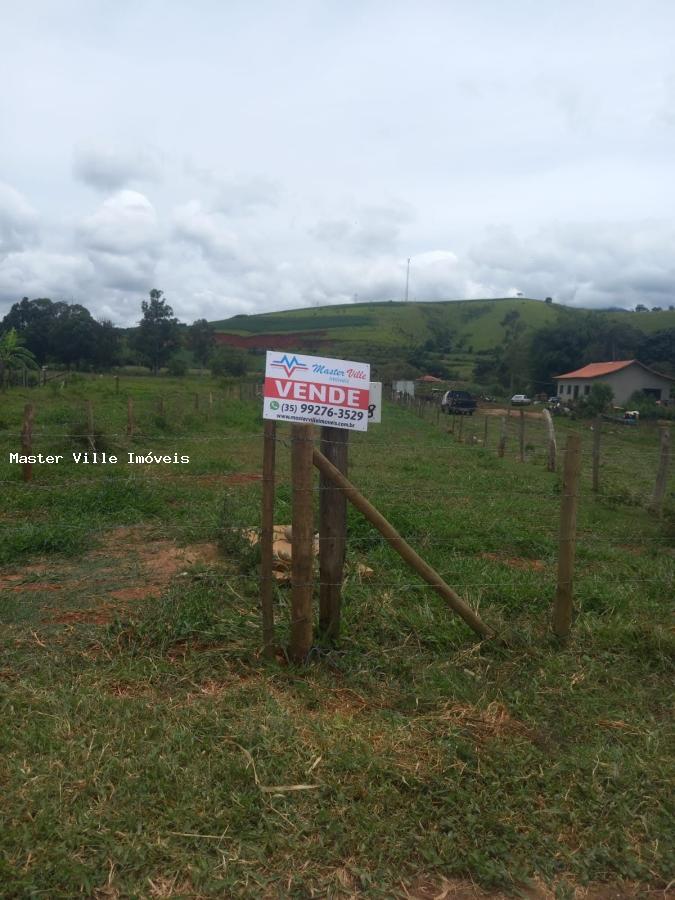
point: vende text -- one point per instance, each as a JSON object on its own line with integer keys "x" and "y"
{"x": 332, "y": 394}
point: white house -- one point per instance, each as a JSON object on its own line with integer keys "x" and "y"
{"x": 625, "y": 377}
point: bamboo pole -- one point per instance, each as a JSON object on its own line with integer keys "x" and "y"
{"x": 563, "y": 603}
{"x": 332, "y": 532}
{"x": 130, "y": 417}
{"x": 501, "y": 446}
{"x": 521, "y": 435}
{"x": 405, "y": 551}
{"x": 552, "y": 446}
{"x": 662, "y": 474}
{"x": 90, "y": 425}
{"x": 302, "y": 439}
{"x": 597, "y": 437}
{"x": 27, "y": 440}
{"x": 267, "y": 539}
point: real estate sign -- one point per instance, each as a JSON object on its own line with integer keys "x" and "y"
{"x": 316, "y": 390}
{"x": 375, "y": 405}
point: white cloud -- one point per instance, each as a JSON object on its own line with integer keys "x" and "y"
{"x": 18, "y": 220}
{"x": 109, "y": 169}
{"x": 249, "y": 169}
{"x": 124, "y": 223}
{"x": 38, "y": 273}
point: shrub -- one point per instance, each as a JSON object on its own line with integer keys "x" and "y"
{"x": 177, "y": 366}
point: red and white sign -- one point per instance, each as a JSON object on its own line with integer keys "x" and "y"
{"x": 316, "y": 390}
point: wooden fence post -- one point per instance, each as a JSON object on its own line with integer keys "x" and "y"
{"x": 460, "y": 438}
{"x": 501, "y": 446}
{"x": 332, "y": 532}
{"x": 552, "y": 446}
{"x": 90, "y": 425}
{"x": 485, "y": 432}
{"x": 130, "y": 417}
{"x": 521, "y": 435}
{"x": 562, "y": 606}
{"x": 27, "y": 440}
{"x": 597, "y": 436}
{"x": 662, "y": 474}
{"x": 117, "y": 384}
{"x": 267, "y": 539}
{"x": 196, "y": 401}
{"x": 302, "y": 439}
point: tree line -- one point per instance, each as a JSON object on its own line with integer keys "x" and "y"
{"x": 529, "y": 359}
{"x": 43, "y": 332}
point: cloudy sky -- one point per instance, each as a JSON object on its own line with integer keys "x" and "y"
{"x": 253, "y": 156}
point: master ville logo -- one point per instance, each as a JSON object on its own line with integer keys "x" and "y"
{"x": 288, "y": 365}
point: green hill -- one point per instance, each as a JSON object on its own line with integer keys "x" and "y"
{"x": 475, "y": 324}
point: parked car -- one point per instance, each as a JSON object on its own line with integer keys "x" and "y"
{"x": 459, "y": 403}
{"x": 520, "y": 400}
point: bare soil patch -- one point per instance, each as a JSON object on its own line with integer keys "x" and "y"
{"x": 516, "y": 562}
{"x": 103, "y": 615}
{"x": 515, "y": 413}
{"x": 142, "y": 569}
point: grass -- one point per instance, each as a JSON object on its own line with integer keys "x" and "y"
{"x": 149, "y": 751}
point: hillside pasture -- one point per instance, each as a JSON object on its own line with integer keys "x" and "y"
{"x": 148, "y": 750}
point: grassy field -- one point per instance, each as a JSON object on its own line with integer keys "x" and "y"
{"x": 146, "y": 749}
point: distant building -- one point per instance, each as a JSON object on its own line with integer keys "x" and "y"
{"x": 625, "y": 377}
{"x": 402, "y": 388}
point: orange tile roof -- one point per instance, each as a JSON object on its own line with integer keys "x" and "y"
{"x": 594, "y": 370}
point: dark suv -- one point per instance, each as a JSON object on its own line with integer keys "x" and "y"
{"x": 459, "y": 403}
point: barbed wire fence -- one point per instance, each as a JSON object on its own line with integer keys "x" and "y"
{"x": 525, "y": 437}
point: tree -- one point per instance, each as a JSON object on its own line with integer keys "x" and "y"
{"x": 228, "y": 361}
{"x": 641, "y": 308}
{"x": 63, "y": 332}
{"x": 13, "y": 355}
{"x": 201, "y": 340}
{"x": 516, "y": 351}
{"x": 599, "y": 398}
{"x": 158, "y": 333}
{"x": 548, "y": 300}
{"x": 177, "y": 366}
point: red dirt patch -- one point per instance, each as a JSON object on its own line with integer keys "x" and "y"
{"x": 101, "y": 616}
{"x": 516, "y": 562}
{"x": 141, "y": 569}
{"x": 34, "y": 586}
{"x": 136, "y": 593}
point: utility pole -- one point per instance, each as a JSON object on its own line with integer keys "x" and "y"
{"x": 407, "y": 280}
